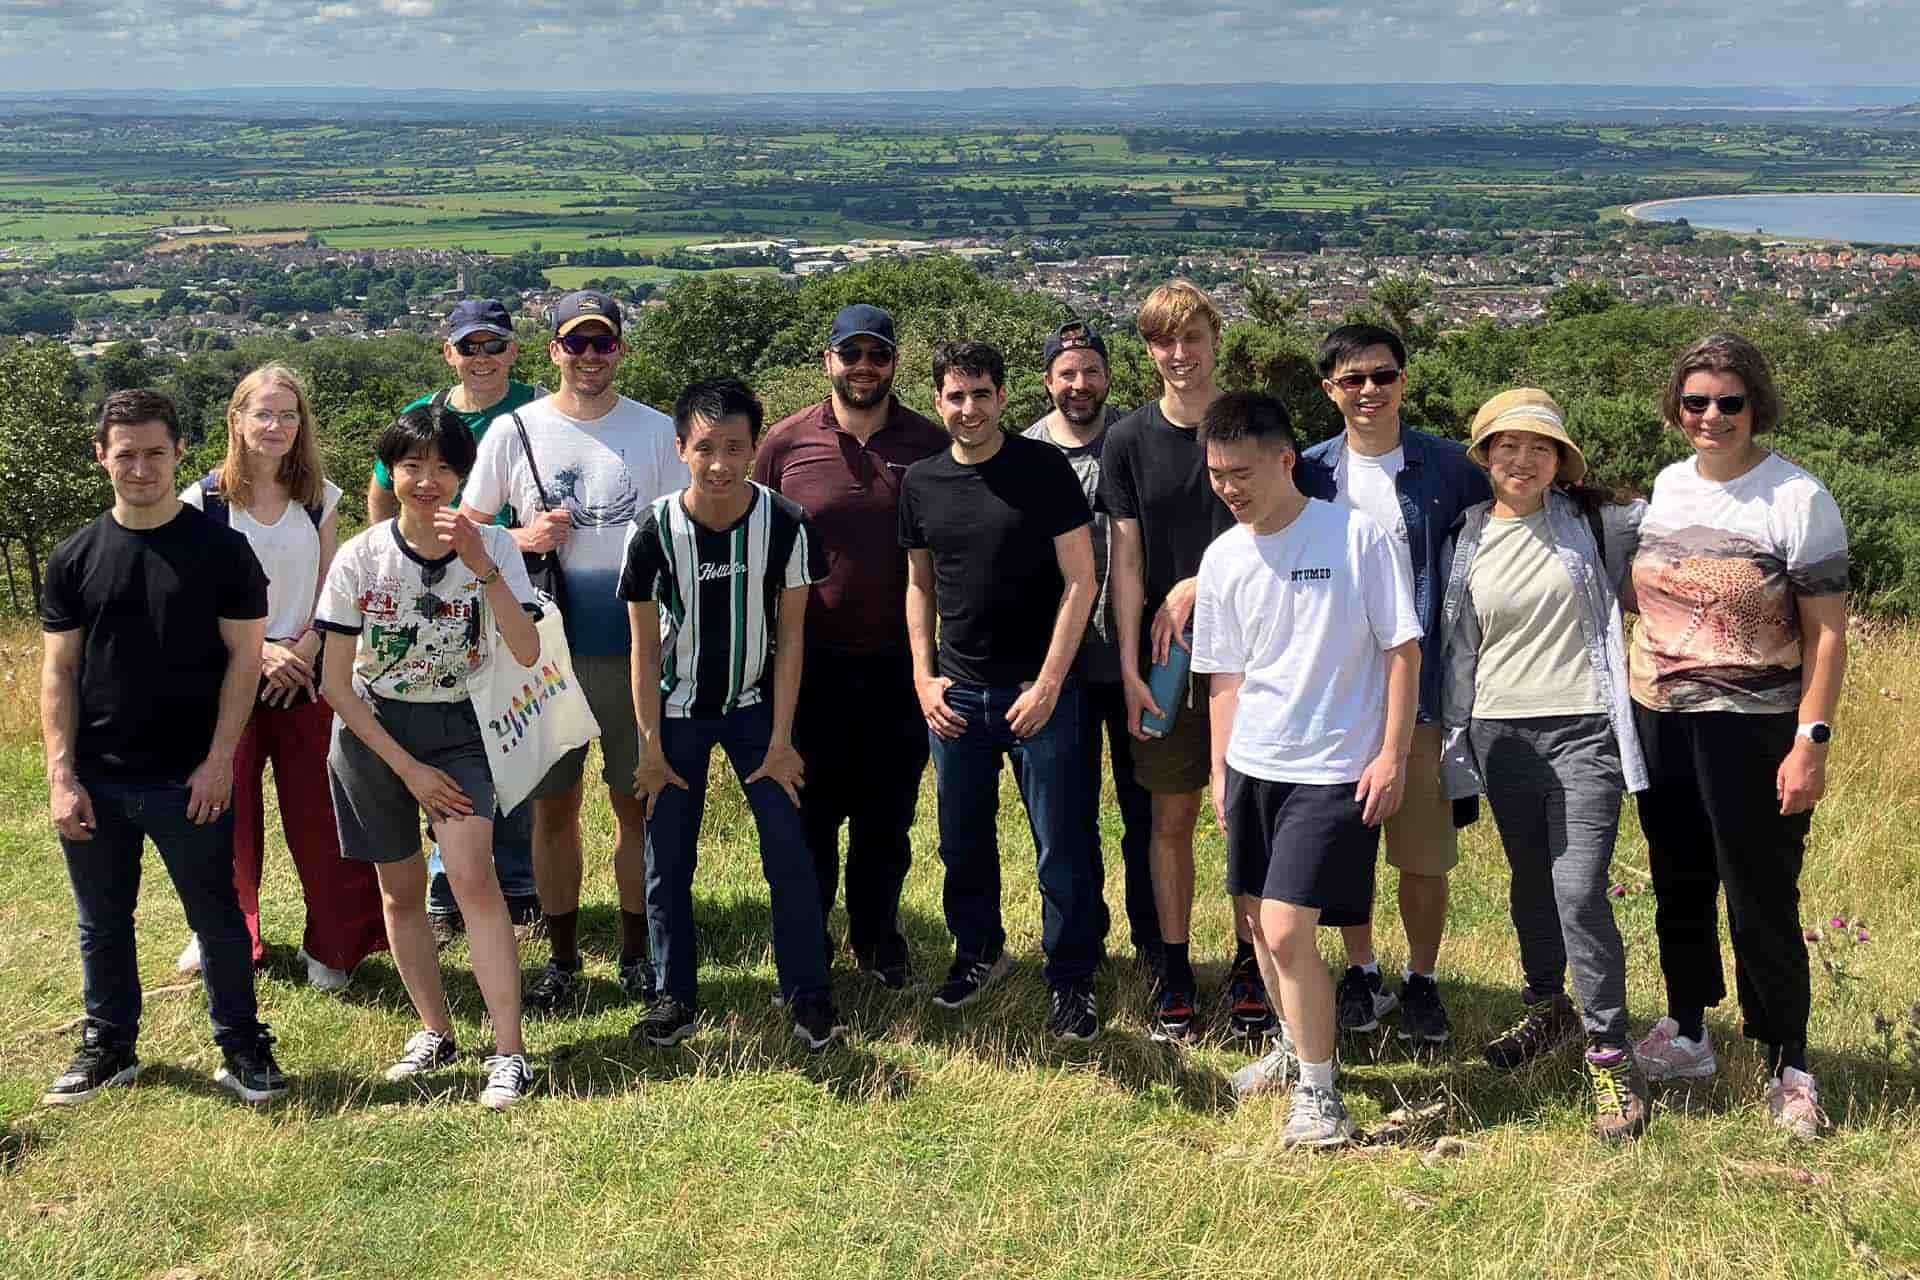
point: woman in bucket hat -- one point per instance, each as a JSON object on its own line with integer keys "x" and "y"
{"x": 1538, "y": 717}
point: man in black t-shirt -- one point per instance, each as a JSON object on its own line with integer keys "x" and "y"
{"x": 996, "y": 535}
{"x": 153, "y": 617}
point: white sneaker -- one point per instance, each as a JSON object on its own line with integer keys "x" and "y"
{"x": 508, "y": 1078}
{"x": 1794, "y": 1101}
{"x": 1665, "y": 1054}
{"x": 427, "y": 1050}
{"x": 324, "y": 977}
{"x": 1273, "y": 1072}
{"x": 189, "y": 961}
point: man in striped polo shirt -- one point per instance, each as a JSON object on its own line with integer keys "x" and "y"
{"x": 716, "y": 581}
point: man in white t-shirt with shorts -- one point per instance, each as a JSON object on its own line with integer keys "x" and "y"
{"x": 598, "y": 459}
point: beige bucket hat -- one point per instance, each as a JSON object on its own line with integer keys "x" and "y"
{"x": 1527, "y": 409}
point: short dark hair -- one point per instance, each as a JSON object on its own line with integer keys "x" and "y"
{"x": 1248, "y": 416}
{"x": 427, "y": 430}
{"x": 714, "y": 399}
{"x": 1349, "y": 340}
{"x": 1727, "y": 352}
{"x": 133, "y": 406}
{"x": 968, "y": 355}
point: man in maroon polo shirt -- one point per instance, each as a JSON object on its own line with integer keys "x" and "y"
{"x": 859, "y": 720}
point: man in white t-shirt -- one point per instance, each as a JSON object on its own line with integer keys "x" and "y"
{"x": 1304, "y": 617}
{"x": 597, "y": 460}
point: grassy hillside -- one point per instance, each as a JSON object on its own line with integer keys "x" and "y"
{"x": 946, "y": 1145}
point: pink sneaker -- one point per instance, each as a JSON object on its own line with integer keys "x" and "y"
{"x": 1794, "y": 1101}
{"x": 1667, "y": 1055}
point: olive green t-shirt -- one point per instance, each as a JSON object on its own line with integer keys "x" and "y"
{"x": 518, "y": 394}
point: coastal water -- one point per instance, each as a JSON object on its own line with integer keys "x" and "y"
{"x": 1879, "y": 219}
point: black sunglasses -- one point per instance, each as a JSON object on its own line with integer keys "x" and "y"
{"x": 578, "y": 344}
{"x": 853, "y": 353}
{"x": 430, "y": 576}
{"x": 1728, "y": 405}
{"x": 1378, "y": 377}
{"x": 482, "y": 346}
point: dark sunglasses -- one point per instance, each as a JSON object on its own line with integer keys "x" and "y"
{"x": 1728, "y": 405}
{"x": 578, "y": 344}
{"x": 482, "y": 346}
{"x": 430, "y": 576}
{"x": 853, "y": 353}
{"x": 1378, "y": 377}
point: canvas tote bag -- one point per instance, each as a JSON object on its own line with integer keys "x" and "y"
{"x": 530, "y": 716}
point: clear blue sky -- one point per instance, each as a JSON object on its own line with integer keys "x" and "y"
{"x": 745, "y": 46}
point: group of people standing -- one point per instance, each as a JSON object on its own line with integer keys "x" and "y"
{"x": 1358, "y": 638}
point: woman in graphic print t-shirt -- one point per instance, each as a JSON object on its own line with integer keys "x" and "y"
{"x": 1741, "y": 580}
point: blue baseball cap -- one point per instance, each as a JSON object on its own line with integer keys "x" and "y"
{"x": 862, "y": 318}
{"x": 479, "y": 315}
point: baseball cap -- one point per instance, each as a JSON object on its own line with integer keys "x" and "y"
{"x": 479, "y": 315}
{"x": 1071, "y": 336}
{"x": 582, "y": 305}
{"x": 862, "y": 318}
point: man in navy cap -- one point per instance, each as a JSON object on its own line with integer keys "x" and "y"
{"x": 842, "y": 460}
{"x": 480, "y": 349}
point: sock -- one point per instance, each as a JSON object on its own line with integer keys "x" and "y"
{"x": 1693, "y": 1023}
{"x": 564, "y": 930}
{"x": 633, "y": 935}
{"x": 1178, "y": 969}
{"x": 1242, "y": 952}
{"x": 1317, "y": 1074}
{"x": 1782, "y": 1056}
{"x": 1372, "y": 967}
{"x": 1408, "y": 975}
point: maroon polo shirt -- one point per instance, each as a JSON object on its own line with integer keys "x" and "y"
{"x": 853, "y": 494}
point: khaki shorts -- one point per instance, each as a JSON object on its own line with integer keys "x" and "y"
{"x": 1181, "y": 762}
{"x": 607, "y": 680}
{"x": 1420, "y": 837}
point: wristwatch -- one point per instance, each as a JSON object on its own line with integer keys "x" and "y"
{"x": 487, "y": 580}
{"x": 1819, "y": 732}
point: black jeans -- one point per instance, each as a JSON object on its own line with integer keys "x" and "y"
{"x": 1712, "y": 819}
{"x": 1104, "y": 706}
{"x": 859, "y": 728}
{"x": 106, "y": 887}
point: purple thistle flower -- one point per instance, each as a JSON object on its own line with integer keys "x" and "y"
{"x": 1838, "y": 922}
{"x": 1863, "y": 936}
{"x": 1618, "y": 891}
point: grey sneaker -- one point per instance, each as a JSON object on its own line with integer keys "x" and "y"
{"x": 1270, "y": 1074}
{"x": 1318, "y": 1119}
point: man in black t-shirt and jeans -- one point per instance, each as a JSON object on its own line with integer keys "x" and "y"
{"x": 153, "y": 617}
{"x": 995, "y": 530}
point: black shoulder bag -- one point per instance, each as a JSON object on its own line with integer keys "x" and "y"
{"x": 543, "y": 567}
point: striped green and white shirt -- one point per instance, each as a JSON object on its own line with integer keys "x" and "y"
{"x": 719, "y": 596}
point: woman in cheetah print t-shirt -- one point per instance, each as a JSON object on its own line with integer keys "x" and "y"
{"x": 1741, "y": 580}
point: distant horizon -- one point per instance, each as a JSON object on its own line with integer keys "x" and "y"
{"x": 1775, "y": 88}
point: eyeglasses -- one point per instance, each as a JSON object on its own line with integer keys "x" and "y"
{"x": 853, "y": 353}
{"x": 267, "y": 418}
{"x": 482, "y": 346}
{"x": 430, "y": 576}
{"x": 578, "y": 344}
{"x": 1728, "y": 405}
{"x": 1378, "y": 377}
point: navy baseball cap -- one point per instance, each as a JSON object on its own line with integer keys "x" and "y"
{"x": 583, "y": 305}
{"x": 862, "y": 318}
{"x": 1071, "y": 336}
{"x": 479, "y": 315}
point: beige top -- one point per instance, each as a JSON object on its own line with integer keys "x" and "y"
{"x": 1533, "y": 658}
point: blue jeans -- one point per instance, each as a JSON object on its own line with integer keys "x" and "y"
{"x": 512, "y": 861}
{"x": 1047, "y": 767}
{"x": 673, "y": 838}
{"x": 106, "y": 888}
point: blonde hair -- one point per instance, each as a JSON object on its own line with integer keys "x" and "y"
{"x": 1169, "y": 307}
{"x": 300, "y": 469}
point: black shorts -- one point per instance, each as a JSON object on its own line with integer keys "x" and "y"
{"x": 1301, "y": 843}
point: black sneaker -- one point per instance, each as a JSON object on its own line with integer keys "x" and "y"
{"x": 97, "y": 1064}
{"x": 249, "y": 1070}
{"x": 1423, "y": 1019}
{"x": 816, "y": 1023}
{"x": 1075, "y": 1016}
{"x": 1360, "y": 1003}
{"x": 1246, "y": 999}
{"x": 426, "y": 1050}
{"x": 552, "y": 991}
{"x": 667, "y": 1023}
{"x": 1545, "y": 1024}
{"x": 887, "y": 966}
{"x": 966, "y": 979}
{"x": 446, "y": 926}
{"x": 638, "y": 979}
{"x": 1173, "y": 1021}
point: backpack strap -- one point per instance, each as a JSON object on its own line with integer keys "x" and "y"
{"x": 212, "y": 503}
{"x": 1599, "y": 534}
{"x": 526, "y": 445}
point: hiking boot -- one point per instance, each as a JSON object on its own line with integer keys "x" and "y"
{"x": 1423, "y": 1019}
{"x": 1173, "y": 1018}
{"x": 1360, "y": 1001}
{"x": 99, "y": 1063}
{"x": 446, "y": 926}
{"x": 637, "y": 979}
{"x": 966, "y": 979}
{"x": 508, "y": 1079}
{"x": 553, "y": 990}
{"x": 667, "y": 1023}
{"x": 1317, "y": 1119}
{"x": 1620, "y": 1095}
{"x": 1794, "y": 1101}
{"x": 1545, "y": 1023}
{"x": 816, "y": 1023}
{"x": 426, "y": 1050}
{"x": 1248, "y": 1012}
{"x": 1269, "y": 1074}
{"x": 1074, "y": 1016}
{"x": 1667, "y": 1055}
{"x": 248, "y": 1069}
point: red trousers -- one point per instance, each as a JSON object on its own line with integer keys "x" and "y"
{"x": 344, "y": 924}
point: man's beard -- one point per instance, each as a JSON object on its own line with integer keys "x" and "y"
{"x": 862, "y": 399}
{"x": 1081, "y": 417}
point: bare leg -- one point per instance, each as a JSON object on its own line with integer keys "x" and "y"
{"x": 466, "y": 849}
{"x": 1246, "y": 916}
{"x": 556, "y": 849}
{"x": 1359, "y": 940}
{"x": 1423, "y": 912}
{"x": 1306, "y": 990}
{"x": 1171, "y": 855}
{"x": 403, "y": 901}
{"x": 629, "y": 850}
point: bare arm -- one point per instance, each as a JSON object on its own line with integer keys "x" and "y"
{"x": 59, "y": 725}
{"x": 210, "y": 786}
{"x": 1383, "y": 785}
{"x": 1034, "y": 707}
{"x": 295, "y": 665}
{"x": 653, "y": 774}
{"x": 927, "y": 680}
{"x": 381, "y": 504}
{"x": 1223, "y": 700}
{"x": 1127, "y": 585}
{"x": 783, "y": 764}
{"x": 1802, "y": 776}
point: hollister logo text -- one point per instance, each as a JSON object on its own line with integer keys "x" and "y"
{"x": 711, "y": 572}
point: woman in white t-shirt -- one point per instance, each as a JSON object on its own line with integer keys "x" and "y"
{"x": 270, "y": 489}
{"x": 1741, "y": 577}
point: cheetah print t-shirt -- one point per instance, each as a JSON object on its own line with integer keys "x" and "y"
{"x": 1718, "y": 573}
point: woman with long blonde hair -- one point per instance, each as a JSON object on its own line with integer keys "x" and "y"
{"x": 271, "y": 489}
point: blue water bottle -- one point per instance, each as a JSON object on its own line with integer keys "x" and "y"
{"x": 1168, "y": 682}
